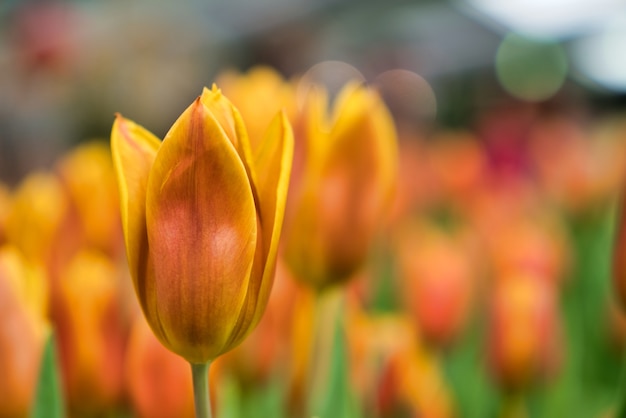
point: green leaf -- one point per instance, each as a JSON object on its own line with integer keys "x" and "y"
{"x": 339, "y": 400}
{"x": 48, "y": 402}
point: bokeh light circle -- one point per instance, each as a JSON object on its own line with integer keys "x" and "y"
{"x": 530, "y": 69}
{"x": 333, "y": 75}
{"x": 409, "y": 96}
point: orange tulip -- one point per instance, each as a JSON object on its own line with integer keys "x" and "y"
{"x": 159, "y": 381}
{"x": 37, "y": 209}
{"x": 23, "y": 304}
{"x": 346, "y": 186}
{"x": 259, "y": 85}
{"x": 88, "y": 177}
{"x": 202, "y": 214}
{"x": 92, "y": 333}
{"x": 524, "y": 331}
{"x": 439, "y": 275}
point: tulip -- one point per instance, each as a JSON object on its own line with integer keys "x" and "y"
{"x": 259, "y": 85}
{"x": 524, "y": 340}
{"x": 23, "y": 305}
{"x": 202, "y": 213}
{"x": 346, "y": 186}
{"x": 92, "y": 334}
{"x": 87, "y": 175}
{"x": 439, "y": 273}
{"x": 158, "y": 380}
{"x": 37, "y": 210}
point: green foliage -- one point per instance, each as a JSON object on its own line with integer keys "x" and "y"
{"x": 48, "y": 402}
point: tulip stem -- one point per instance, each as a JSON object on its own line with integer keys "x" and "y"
{"x": 621, "y": 395}
{"x": 201, "y": 394}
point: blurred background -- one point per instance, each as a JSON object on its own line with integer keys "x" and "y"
{"x": 67, "y": 66}
{"x": 489, "y": 293}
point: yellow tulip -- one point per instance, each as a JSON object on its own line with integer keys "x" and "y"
{"x": 259, "y": 85}
{"x": 38, "y": 207}
{"x": 87, "y": 174}
{"x": 23, "y": 306}
{"x": 202, "y": 213}
{"x": 91, "y": 333}
{"x": 346, "y": 185}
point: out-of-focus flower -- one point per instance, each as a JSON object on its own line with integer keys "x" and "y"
{"x": 92, "y": 333}
{"x": 458, "y": 165}
{"x": 202, "y": 214}
{"x": 88, "y": 176}
{"x": 591, "y": 165}
{"x": 159, "y": 381}
{"x": 44, "y": 36}
{"x": 346, "y": 185}
{"x": 535, "y": 245}
{"x": 439, "y": 276}
{"x": 260, "y": 85}
{"x": 23, "y": 305}
{"x": 37, "y": 210}
{"x": 524, "y": 343}
{"x": 393, "y": 371}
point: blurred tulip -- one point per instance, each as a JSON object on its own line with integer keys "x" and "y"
{"x": 591, "y": 165}
{"x": 259, "y": 85}
{"x": 524, "y": 343}
{"x": 159, "y": 381}
{"x": 439, "y": 275}
{"x": 407, "y": 380}
{"x": 36, "y": 213}
{"x": 535, "y": 245}
{"x": 202, "y": 214}
{"x": 92, "y": 334}
{"x": 88, "y": 176}
{"x": 458, "y": 164}
{"x": 23, "y": 305}
{"x": 346, "y": 186}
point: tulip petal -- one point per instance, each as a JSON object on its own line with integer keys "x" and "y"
{"x": 364, "y": 130}
{"x": 231, "y": 121}
{"x": 273, "y": 163}
{"x": 202, "y": 232}
{"x": 133, "y": 150}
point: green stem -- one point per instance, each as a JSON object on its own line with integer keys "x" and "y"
{"x": 326, "y": 308}
{"x": 620, "y": 411}
{"x": 201, "y": 395}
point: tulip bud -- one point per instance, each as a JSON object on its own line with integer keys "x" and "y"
{"x": 524, "y": 331}
{"x": 23, "y": 304}
{"x": 92, "y": 334}
{"x": 346, "y": 186}
{"x": 37, "y": 209}
{"x": 202, "y": 214}
{"x": 439, "y": 275}
{"x": 259, "y": 85}
{"x": 87, "y": 174}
